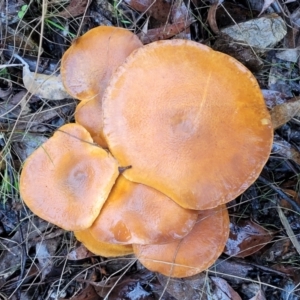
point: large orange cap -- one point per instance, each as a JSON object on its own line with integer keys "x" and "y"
{"x": 101, "y": 248}
{"x": 194, "y": 253}
{"x": 67, "y": 180}
{"x": 88, "y": 64}
{"x": 135, "y": 213}
{"x": 191, "y": 122}
{"x": 89, "y": 114}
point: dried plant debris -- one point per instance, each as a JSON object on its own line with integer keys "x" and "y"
{"x": 42, "y": 262}
{"x": 246, "y": 238}
{"x": 240, "y": 51}
{"x": 41, "y": 85}
{"x": 283, "y": 113}
{"x": 75, "y": 8}
{"x": 222, "y": 290}
{"x": 23, "y": 144}
{"x": 285, "y": 149}
{"x": 284, "y": 77}
{"x": 262, "y": 33}
{"x": 291, "y": 55}
{"x": 17, "y": 40}
{"x": 171, "y": 19}
{"x": 9, "y": 11}
{"x": 273, "y": 98}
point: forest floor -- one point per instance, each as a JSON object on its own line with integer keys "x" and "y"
{"x": 262, "y": 257}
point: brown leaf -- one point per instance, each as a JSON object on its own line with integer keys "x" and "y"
{"x": 159, "y": 9}
{"x": 223, "y": 290}
{"x": 75, "y": 8}
{"x": 162, "y": 33}
{"x": 283, "y": 113}
{"x": 19, "y": 40}
{"x": 246, "y": 238}
{"x": 194, "y": 287}
{"x": 80, "y": 252}
{"x": 285, "y": 149}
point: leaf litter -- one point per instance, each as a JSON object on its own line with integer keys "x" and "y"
{"x": 39, "y": 261}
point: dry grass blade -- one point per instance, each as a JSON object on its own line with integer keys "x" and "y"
{"x": 288, "y": 229}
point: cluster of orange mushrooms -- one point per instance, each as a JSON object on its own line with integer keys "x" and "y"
{"x": 165, "y": 135}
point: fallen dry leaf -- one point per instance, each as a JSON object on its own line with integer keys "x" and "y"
{"x": 259, "y": 296}
{"x": 194, "y": 287}
{"x": 223, "y": 291}
{"x": 281, "y": 114}
{"x": 75, "y": 8}
{"x": 266, "y": 5}
{"x": 159, "y": 9}
{"x": 273, "y": 98}
{"x": 80, "y": 252}
{"x": 262, "y": 33}
{"x": 285, "y": 149}
{"x": 162, "y": 33}
{"x": 44, "y": 86}
{"x": 45, "y": 251}
{"x": 246, "y": 238}
{"x": 88, "y": 293}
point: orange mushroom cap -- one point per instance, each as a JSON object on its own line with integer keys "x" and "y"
{"x": 101, "y": 248}
{"x": 89, "y": 114}
{"x": 67, "y": 179}
{"x": 191, "y": 122}
{"x": 135, "y": 213}
{"x": 195, "y": 252}
{"x": 88, "y": 64}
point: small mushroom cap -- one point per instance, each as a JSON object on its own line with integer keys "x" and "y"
{"x": 194, "y": 253}
{"x": 191, "y": 122}
{"x": 101, "y": 248}
{"x": 135, "y": 213}
{"x": 89, "y": 115}
{"x": 67, "y": 179}
{"x": 87, "y": 65}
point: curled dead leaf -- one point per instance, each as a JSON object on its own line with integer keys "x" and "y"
{"x": 41, "y": 85}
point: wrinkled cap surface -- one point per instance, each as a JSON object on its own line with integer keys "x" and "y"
{"x": 191, "y": 122}
{"x": 135, "y": 213}
{"x": 194, "y": 253}
{"x": 101, "y": 248}
{"x": 67, "y": 179}
{"x": 88, "y": 64}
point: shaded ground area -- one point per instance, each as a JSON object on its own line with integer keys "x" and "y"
{"x": 262, "y": 256}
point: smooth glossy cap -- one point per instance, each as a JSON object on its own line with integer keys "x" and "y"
{"x": 67, "y": 179}
{"x": 88, "y": 64}
{"x": 101, "y": 248}
{"x": 191, "y": 122}
{"x": 194, "y": 253}
{"x": 135, "y": 213}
